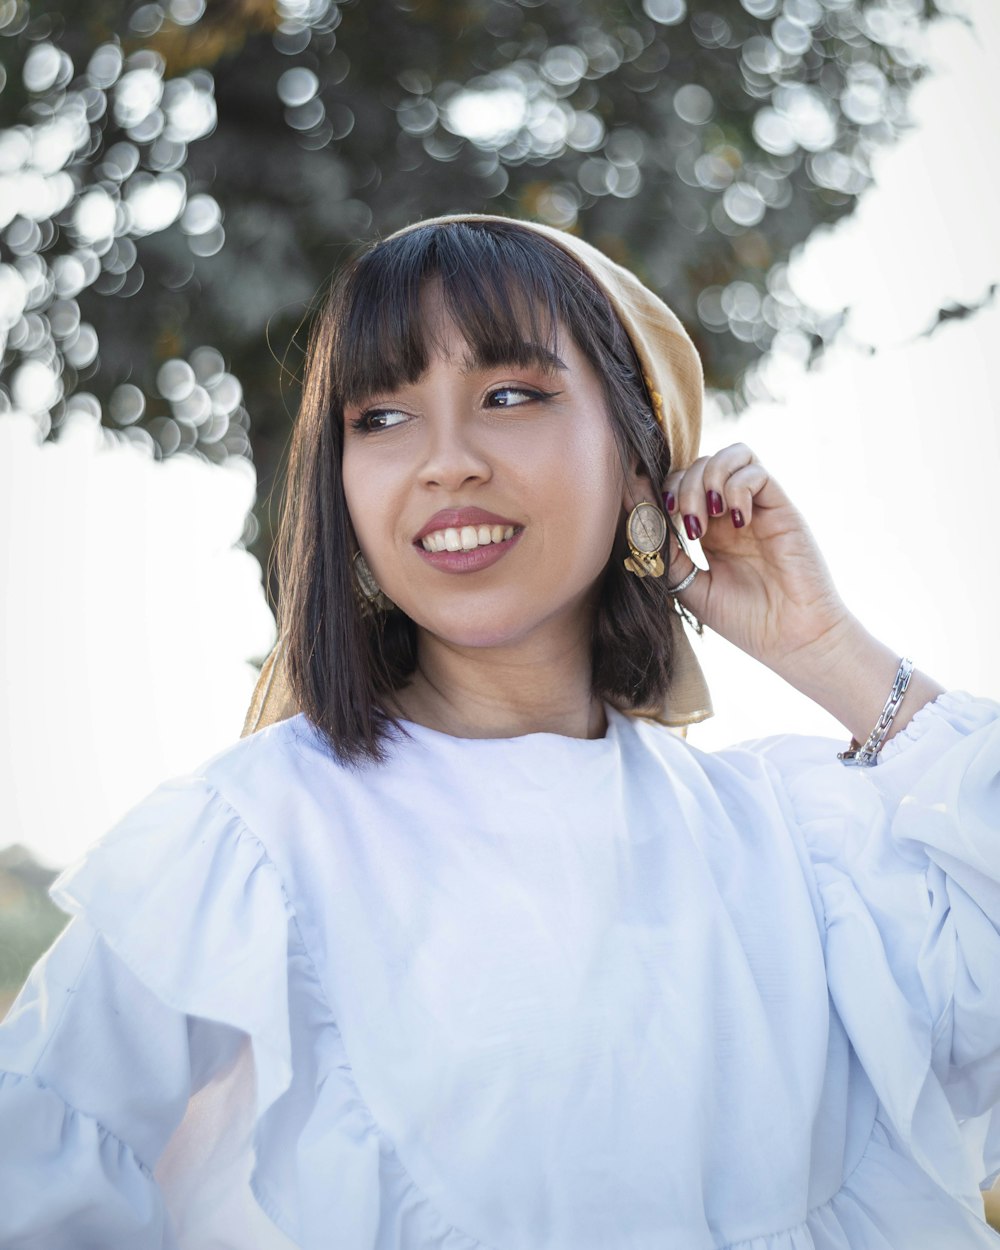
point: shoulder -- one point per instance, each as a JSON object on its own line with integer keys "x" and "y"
{"x": 285, "y": 747}
{"x": 210, "y": 824}
{"x": 275, "y": 775}
{"x": 740, "y": 788}
{"x": 757, "y": 788}
{"x": 752, "y": 762}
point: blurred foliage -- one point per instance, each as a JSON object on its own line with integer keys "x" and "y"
{"x": 29, "y": 921}
{"x": 177, "y": 179}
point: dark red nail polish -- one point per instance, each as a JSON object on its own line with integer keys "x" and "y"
{"x": 669, "y": 502}
{"x": 693, "y": 527}
{"x": 714, "y": 503}
{"x": 737, "y": 516}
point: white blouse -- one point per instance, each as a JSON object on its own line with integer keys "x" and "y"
{"x": 538, "y": 993}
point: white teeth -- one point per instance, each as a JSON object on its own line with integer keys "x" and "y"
{"x": 468, "y": 538}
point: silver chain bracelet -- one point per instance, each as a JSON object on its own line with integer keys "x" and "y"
{"x": 868, "y": 754}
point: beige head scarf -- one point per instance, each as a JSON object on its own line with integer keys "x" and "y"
{"x": 672, "y": 371}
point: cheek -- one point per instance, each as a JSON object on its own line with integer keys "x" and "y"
{"x": 594, "y": 484}
{"x": 365, "y": 522}
{"x": 351, "y": 480}
{"x": 365, "y": 485}
{"x": 582, "y": 509}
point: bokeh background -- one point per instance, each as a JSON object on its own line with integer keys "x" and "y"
{"x": 810, "y": 183}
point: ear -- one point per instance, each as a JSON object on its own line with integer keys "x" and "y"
{"x": 638, "y": 487}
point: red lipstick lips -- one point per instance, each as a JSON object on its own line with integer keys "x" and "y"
{"x": 479, "y": 557}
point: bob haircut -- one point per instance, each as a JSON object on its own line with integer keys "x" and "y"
{"x": 504, "y": 284}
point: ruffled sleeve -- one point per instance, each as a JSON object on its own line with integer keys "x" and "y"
{"x": 173, "y": 975}
{"x": 907, "y": 862}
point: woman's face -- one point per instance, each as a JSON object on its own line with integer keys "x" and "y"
{"x": 486, "y": 499}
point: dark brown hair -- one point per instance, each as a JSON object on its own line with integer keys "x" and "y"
{"x": 369, "y": 336}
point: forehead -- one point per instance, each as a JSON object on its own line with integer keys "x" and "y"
{"x": 447, "y": 339}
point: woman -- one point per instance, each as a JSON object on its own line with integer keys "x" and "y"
{"x": 461, "y": 947}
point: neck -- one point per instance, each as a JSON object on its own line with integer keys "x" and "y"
{"x": 535, "y": 686}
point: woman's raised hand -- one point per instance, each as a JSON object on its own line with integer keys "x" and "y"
{"x": 767, "y": 588}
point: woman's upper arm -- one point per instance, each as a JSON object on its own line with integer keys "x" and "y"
{"x": 95, "y": 1075}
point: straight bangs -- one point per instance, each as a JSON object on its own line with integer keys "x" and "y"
{"x": 507, "y": 294}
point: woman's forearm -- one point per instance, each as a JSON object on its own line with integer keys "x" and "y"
{"x": 850, "y": 674}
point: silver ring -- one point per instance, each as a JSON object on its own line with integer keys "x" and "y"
{"x": 683, "y": 585}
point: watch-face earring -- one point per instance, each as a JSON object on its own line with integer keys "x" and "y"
{"x": 370, "y": 594}
{"x": 646, "y": 532}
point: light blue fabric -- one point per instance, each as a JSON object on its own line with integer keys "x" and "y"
{"x": 524, "y": 993}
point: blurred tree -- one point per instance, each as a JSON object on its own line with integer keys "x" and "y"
{"x": 178, "y": 178}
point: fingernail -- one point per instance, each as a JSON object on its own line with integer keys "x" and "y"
{"x": 737, "y": 516}
{"x": 669, "y": 502}
{"x": 693, "y": 527}
{"x": 714, "y": 503}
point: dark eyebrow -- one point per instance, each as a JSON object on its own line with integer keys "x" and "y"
{"x": 526, "y": 353}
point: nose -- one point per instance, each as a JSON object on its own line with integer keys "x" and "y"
{"x": 453, "y": 459}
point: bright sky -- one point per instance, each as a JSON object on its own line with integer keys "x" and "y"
{"x": 894, "y": 457}
{"x": 129, "y": 619}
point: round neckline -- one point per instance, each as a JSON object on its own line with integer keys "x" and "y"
{"x": 415, "y": 730}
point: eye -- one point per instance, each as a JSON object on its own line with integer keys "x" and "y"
{"x": 375, "y": 419}
{"x": 515, "y": 396}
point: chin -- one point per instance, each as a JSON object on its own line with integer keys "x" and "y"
{"x": 477, "y": 630}
{"x": 477, "y": 636}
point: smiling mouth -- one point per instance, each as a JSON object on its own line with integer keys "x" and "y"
{"x": 467, "y": 537}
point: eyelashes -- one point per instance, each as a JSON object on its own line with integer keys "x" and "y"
{"x": 375, "y": 420}
{"x": 531, "y": 393}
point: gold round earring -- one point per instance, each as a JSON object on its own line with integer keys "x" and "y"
{"x": 646, "y": 532}
{"x": 371, "y": 596}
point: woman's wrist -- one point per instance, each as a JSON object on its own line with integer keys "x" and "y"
{"x": 850, "y": 673}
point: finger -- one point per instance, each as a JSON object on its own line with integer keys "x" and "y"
{"x": 739, "y": 491}
{"x": 719, "y": 468}
{"x": 672, "y": 487}
{"x": 678, "y": 561}
{"x": 692, "y": 505}
{"x": 671, "y": 484}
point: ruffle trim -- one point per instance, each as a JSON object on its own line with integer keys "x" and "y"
{"x": 853, "y": 1216}
{"x": 170, "y": 895}
{"x": 883, "y": 1203}
{"x": 11, "y": 1080}
{"x": 117, "y": 1183}
{"x": 956, "y": 708}
{"x": 181, "y": 884}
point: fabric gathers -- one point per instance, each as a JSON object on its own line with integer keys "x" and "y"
{"x": 519, "y": 993}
